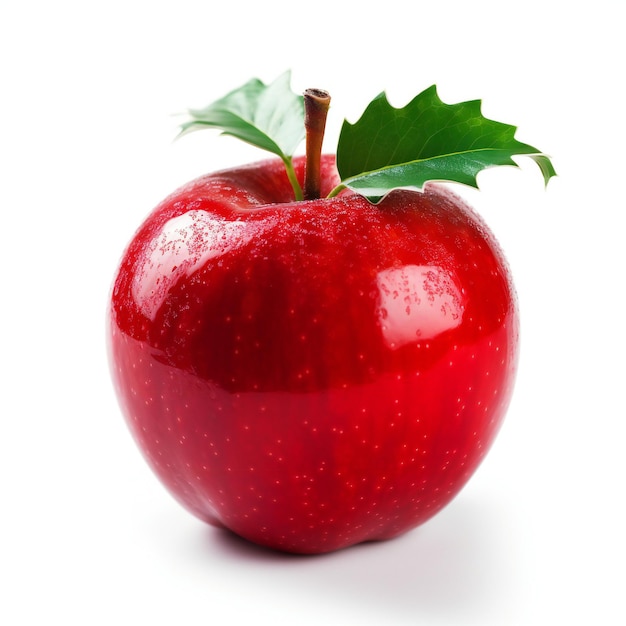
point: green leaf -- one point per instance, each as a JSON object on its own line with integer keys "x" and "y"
{"x": 270, "y": 117}
{"x": 388, "y": 148}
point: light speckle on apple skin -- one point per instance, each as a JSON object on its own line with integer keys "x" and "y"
{"x": 264, "y": 411}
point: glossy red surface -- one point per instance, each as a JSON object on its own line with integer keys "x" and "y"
{"x": 316, "y": 374}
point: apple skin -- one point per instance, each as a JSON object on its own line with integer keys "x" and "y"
{"x": 311, "y": 375}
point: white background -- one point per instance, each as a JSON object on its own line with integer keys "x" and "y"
{"x": 88, "y": 536}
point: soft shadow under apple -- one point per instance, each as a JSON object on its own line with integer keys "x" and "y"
{"x": 460, "y": 563}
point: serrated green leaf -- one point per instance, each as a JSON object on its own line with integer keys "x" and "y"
{"x": 388, "y": 148}
{"x": 270, "y": 117}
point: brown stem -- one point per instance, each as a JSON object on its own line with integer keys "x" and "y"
{"x": 316, "y": 103}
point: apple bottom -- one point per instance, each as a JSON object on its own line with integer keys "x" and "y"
{"x": 318, "y": 471}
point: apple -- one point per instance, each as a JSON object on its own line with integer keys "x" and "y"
{"x": 312, "y": 374}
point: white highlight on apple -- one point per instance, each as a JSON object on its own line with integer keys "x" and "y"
{"x": 184, "y": 244}
{"x": 417, "y": 302}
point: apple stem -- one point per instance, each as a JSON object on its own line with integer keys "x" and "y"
{"x": 316, "y": 104}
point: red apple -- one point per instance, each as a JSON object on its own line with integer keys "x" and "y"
{"x": 312, "y": 374}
